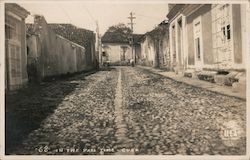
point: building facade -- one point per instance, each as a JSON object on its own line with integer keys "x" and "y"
{"x": 116, "y": 50}
{"x": 15, "y": 47}
{"x": 207, "y": 37}
{"x": 116, "y": 53}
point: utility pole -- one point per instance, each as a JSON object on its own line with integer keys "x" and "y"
{"x": 131, "y": 21}
{"x": 131, "y": 18}
{"x": 98, "y": 45}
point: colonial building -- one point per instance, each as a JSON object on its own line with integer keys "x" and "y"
{"x": 116, "y": 49}
{"x": 207, "y": 37}
{"x": 155, "y": 47}
{"x": 15, "y": 46}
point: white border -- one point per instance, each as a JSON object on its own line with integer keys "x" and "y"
{"x": 131, "y": 1}
{"x": 2, "y": 80}
{"x": 160, "y": 157}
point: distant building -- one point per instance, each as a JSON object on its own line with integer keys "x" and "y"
{"x": 15, "y": 46}
{"x": 116, "y": 49}
{"x": 137, "y": 46}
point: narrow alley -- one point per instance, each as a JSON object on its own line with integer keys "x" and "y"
{"x": 123, "y": 110}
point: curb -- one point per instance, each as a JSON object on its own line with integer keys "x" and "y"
{"x": 221, "y": 93}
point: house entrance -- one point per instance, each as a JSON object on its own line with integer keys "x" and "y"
{"x": 198, "y": 43}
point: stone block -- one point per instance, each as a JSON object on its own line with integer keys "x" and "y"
{"x": 206, "y": 76}
{"x": 241, "y": 76}
{"x": 220, "y": 79}
{"x": 188, "y": 74}
{"x": 239, "y": 87}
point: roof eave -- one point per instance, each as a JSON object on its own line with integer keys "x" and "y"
{"x": 16, "y": 9}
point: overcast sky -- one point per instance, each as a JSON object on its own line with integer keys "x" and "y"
{"x": 84, "y": 14}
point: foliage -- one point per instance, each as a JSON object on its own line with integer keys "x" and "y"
{"x": 119, "y": 33}
{"x": 120, "y": 28}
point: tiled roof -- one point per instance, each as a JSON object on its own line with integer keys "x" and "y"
{"x": 114, "y": 37}
{"x": 137, "y": 38}
{"x": 17, "y": 9}
{"x": 174, "y": 10}
{"x": 158, "y": 32}
{"x": 77, "y": 35}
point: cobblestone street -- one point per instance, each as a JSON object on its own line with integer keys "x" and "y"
{"x": 126, "y": 110}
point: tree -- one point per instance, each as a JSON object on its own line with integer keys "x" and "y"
{"x": 120, "y": 28}
{"x": 118, "y": 33}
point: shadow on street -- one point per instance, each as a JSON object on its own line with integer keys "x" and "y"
{"x": 28, "y": 107}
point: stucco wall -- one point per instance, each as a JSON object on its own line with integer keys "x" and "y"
{"x": 206, "y": 21}
{"x": 244, "y": 9}
{"x": 55, "y": 54}
{"x": 190, "y": 36}
{"x": 237, "y": 40}
{"x": 155, "y": 51}
{"x": 147, "y": 51}
{"x": 23, "y": 53}
{"x": 164, "y": 51}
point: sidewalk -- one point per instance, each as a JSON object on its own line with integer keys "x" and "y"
{"x": 225, "y": 90}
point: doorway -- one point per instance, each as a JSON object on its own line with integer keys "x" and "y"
{"x": 198, "y": 43}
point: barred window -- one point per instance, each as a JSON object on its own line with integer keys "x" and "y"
{"x": 12, "y": 29}
{"x": 226, "y": 30}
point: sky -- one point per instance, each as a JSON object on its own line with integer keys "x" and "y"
{"x": 86, "y": 14}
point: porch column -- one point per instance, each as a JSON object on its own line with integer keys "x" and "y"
{"x": 185, "y": 43}
{"x": 171, "y": 45}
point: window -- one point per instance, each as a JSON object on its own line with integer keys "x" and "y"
{"x": 123, "y": 52}
{"x": 196, "y": 24}
{"x": 12, "y": 29}
{"x": 11, "y": 32}
{"x": 7, "y": 32}
{"x": 198, "y": 48}
{"x": 173, "y": 43}
{"x": 104, "y": 54}
{"x": 15, "y": 61}
{"x": 226, "y": 32}
{"x": 180, "y": 23}
{"x": 174, "y": 55}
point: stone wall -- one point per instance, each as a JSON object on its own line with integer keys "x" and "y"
{"x": 155, "y": 48}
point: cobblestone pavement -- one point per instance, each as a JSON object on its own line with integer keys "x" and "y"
{"x": 129, "y": 110}
{"x": 168, "y": 117}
